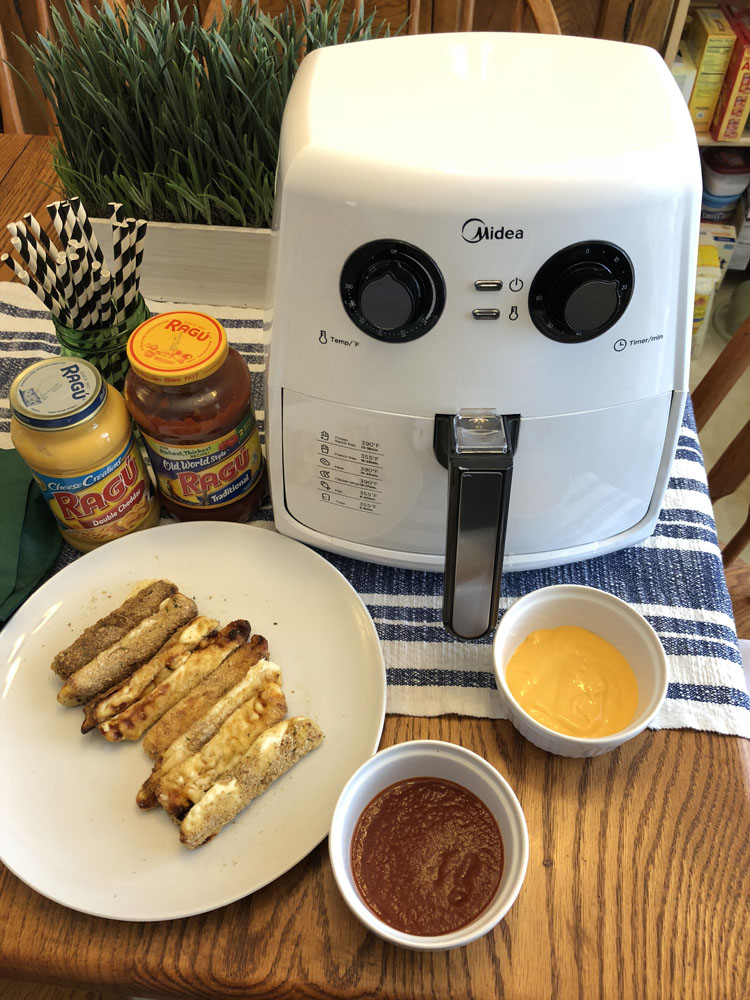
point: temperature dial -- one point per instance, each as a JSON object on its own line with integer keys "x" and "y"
{"x": 581, "y": 291}
{"x": 392, "y": 291}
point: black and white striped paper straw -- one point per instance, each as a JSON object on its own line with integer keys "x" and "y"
{"x": 87, "y": 230}
{"x": 106, "y": 311}
{"x": 129, "y": 288}
{"x": 57, "y": 215}
{"x": 121, "y": 236}
{"x": 35, "y": 257}
{"x": 79, "y": 265}
{"x": 96, "y": 298}
{"x": 51, "y": 303}
{"x": 83, "y": 291}
{"x": 140, "y": 246}
{"x": 22, "y": 231}
{"x": 116, "y": 212}
{"x": 42, "y": 272}
{"x": 65, "y": 284}
{"x": 32, "y": 224}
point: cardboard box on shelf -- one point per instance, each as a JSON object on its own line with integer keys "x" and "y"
{"x": 733, "y": 106}
{"x": 723, "y": 237}
{"x": 741, "y": 254}
{"x": 741, "y": 222}
{"x": 708, "y": 277}
{"x": 740, "y": 257}
{"x": 710, "y": 40}
{"x": 683, "y": 70}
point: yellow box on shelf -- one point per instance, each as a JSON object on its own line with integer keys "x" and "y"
{"x": 710, "y": 42}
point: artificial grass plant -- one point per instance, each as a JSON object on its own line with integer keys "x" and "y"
{"x": 176, "y": 121}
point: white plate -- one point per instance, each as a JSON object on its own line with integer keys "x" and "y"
{"x": 69, "y": 824}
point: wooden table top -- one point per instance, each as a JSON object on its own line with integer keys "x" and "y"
{"x": 637, "y": 887}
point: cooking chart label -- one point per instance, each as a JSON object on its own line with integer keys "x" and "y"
{"x": 350, "y": 472}
{"x": 363, "y": 476}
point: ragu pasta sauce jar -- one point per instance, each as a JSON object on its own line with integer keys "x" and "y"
{"x": 74, "y": 432}
{"x": 189, "y": 393}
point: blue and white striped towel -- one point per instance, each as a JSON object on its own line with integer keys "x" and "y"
{"x": 674, "y": 578}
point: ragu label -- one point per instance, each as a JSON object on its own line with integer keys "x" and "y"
{"x": 212, "y": 474}
{"x": 101, "y": 503}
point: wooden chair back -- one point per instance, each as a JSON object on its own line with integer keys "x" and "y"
{"x": 732, "y": 467}
{"x": 22, "y": 105}
{"x": 542, "y": 13}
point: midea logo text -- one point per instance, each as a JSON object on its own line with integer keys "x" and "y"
{"x": 475, "y": 230}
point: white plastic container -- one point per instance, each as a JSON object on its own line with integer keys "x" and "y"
{"x": 726, "y": 172}
{"x": 718, "y": 208}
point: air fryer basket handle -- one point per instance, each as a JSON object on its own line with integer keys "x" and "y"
{"x": 480, "y": 467}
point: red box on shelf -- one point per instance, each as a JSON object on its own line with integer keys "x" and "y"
{"x": 733, "y": 107}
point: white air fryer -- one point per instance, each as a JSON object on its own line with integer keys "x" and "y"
{"x": 484, "y": 262}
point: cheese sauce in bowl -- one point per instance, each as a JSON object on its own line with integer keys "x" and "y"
{"x": 573, "y": 681}
{"x": 579, "y": 669}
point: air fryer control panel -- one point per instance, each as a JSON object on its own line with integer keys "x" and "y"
{"x": 395, "y": 292}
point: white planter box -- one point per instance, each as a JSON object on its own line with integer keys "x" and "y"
{"x": 206, "y": 265}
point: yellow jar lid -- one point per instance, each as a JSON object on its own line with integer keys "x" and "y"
{"x": 176, "y": 348}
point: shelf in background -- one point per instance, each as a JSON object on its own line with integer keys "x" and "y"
{"x": 704, "y": 139}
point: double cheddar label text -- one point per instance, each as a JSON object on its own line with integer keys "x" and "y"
{"x": 101, "y": 503}
{"x": 212, "y": 474}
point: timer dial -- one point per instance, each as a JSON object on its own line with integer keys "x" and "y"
{"x": 392, "y": 291}
{"x": 581, "y": 291}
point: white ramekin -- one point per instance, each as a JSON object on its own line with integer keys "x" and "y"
{"x": 607, "y": 616}
{"x": 432, "y": 759}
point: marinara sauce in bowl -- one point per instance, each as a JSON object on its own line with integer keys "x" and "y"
{"x": 428, "y": 845}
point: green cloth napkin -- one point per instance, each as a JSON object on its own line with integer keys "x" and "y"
{"x": 29, "y": 539}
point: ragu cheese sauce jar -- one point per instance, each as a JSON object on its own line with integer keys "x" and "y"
{"x": 74, "y": 432}
{"x": 189, "y": 393}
